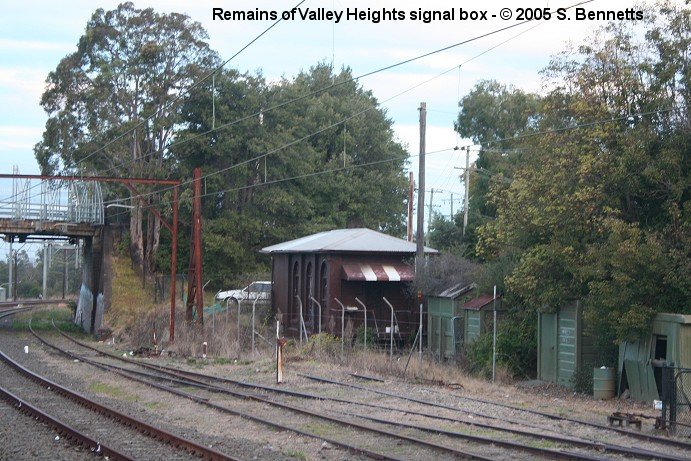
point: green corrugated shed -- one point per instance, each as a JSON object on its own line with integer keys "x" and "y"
{"x": 669, "y": 341}
{"x": 563, "y": 345}
{"x": 455, "y": 317}
{"x": 444, "y": 320}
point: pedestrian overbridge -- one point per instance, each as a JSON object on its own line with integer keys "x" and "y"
{"x": 39, "y": 208}
{"x": 71, "y": 207}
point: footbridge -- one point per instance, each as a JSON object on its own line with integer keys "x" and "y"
{"x": 41, "y": 208}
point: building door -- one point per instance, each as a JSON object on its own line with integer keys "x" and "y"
{"x": 548, "y": 347}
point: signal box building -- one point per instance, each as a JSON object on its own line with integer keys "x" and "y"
{"x": 319, "y": 272}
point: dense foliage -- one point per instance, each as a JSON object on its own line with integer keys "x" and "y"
{"x": 262, "y": 146}
{"x": 589, "y": 196}
{"x": 110, "y": 104}
{"x": 288, "y": 169}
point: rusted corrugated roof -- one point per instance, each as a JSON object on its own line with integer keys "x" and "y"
{"x": 480, "y": 302}
{"x": 346, "y": 240}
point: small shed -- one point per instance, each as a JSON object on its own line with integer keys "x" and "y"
{"x": 456, "y": 318}
{"x": 669, "y": 341}
{"x": 445, "y": 320}
{"x": 319, "y": 272}
{"x": 478, "y": 316}
{"x": 563, "y": 346}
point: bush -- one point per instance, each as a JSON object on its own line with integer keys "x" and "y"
{"x": 478, "y": 356}
{"x": 582, "y": 379}
{"x": 324, "y": 345}
{"x": 360, "y": 337}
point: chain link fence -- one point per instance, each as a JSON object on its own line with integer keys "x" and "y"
{"x": 676, "y": 400}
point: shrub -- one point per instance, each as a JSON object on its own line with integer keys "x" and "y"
{"x": 582, "y": 379}
{"x": 360, "y": 337}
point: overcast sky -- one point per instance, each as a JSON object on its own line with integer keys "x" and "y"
{"x": 35, "y": 35}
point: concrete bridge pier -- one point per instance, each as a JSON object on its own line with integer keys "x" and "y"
{"x": 92, "y": 302}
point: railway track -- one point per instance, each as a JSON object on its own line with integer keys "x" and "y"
{"x": 89, "y": 423}
{"x": 628, "y": 433}
{"x": 588, "y": 449}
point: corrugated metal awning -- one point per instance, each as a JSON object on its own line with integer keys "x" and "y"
{"x": 363, "y": 272}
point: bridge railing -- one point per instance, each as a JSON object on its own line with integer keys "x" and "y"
{"x": 53, "y": 200}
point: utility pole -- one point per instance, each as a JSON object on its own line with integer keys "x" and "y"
{"x": 45, "y": 271}
{"x": 451, "y": 206}
{"x": 10, "y": 286}
{"x": 420, "y": 249}
{"x": 467, "y": 188}
{"x": 194, "y": 287}
{"x": 14, "y": 298}
{"x": 411, "y": 194}
{"x": 431, "y": 206}
{"x": 64, "y": 271}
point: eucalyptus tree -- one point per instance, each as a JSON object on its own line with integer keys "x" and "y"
{"x": 111, "y": 103}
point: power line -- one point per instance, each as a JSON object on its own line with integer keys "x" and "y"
{"x": 185, "y": 91}
{"x": 262, "y": 111}
{"x": 177, "y": 98}
{"x": 352, "y": 79}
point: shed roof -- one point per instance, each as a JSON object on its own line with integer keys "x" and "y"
{"x": 456, "y": 290}
{"x": 480, "y": 302}
{"x": 346, "y": 240}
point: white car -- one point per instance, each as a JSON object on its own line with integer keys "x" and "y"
{"x": 260, "y": 291}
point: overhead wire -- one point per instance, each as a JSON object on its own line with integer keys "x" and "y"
{"x": 186, "y": 90}
{"x": 179, "y": 97}
{"x": 263, "y": 111}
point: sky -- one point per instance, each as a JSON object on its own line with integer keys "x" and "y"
{"x": 35, "y": 35}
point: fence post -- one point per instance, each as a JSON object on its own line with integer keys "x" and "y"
{"x": 239, "y": 302}
{"x": 320, "y": 312}
{"x": 254, "y": 304}
{"x": 390, "y": 331}
{"x": 365, "y": 308}
{"x": 342, "y": 324}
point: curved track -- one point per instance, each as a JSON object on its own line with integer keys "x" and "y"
{"x": 589, "y": 449}
{"x": 81, "y": 416}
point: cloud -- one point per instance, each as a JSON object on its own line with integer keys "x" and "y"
{"x": 24, "y": 79}
{"x": 32, "y": 45}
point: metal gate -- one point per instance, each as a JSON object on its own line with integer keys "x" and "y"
{"x": 676, "y": 400}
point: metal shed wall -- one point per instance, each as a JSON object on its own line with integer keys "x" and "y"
{"x": 563, "y": 346}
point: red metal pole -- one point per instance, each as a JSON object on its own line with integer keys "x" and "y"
{"x": 173, "y": 264}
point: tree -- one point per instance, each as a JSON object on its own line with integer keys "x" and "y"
{"x": 268, "y": 183}
{"x": 602, "y": 211}
{"x": 130, "y": 65}
{"x": 491, "y": 114}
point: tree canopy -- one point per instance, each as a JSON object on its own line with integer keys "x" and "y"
{"x": 590, "y": 194}
{"x": 306, "y": 156}
{"x": 110, "y": 102}
{"x": 280, "y": 159}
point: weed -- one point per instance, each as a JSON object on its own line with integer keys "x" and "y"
{"x": 296, "y": 454}
{"x": 99, "y": 387}
{"x": 43, "y": 320}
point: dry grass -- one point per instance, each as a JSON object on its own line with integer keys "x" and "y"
{"x": 325, "y": 350}
{"x": 130, "y": 302}
{"x": 134, "y": 318}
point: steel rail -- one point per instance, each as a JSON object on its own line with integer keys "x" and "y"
{"x": 145, "y": 428}
{"x": 211, "y": 388}
{"x": 206, "y": 402}
{"x": 637, "y": 435}
{"x": 592, "y": 444}
{"x": 555, "y": 454}
{"x": 589, "y": 444}
{"x": 63, "y": 429}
